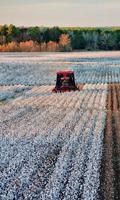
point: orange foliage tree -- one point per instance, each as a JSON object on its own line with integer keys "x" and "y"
{"x": 43, "y": 47}
{"x": 29, "y": 46}
{"x": 52, "y": 46}
{"x": 10, "y": 47}
{"x": 65, "y": 42}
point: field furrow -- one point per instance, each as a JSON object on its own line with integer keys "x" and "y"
{"x": 110, "y": 180}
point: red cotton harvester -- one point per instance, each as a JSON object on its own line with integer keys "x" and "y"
{"x": 65, "y": 82}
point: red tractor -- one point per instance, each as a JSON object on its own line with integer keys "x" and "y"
{"x": 65, "y": 82}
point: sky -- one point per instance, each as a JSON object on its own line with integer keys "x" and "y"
{"x": 60, "y": 12}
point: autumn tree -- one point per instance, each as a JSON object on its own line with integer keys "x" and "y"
{"x": 52, "y": 46}
{"x": 66, "y": 38}
{"x": 29, "y": 46}
{"x": 10, "y": 47}
{"x": 65, "y": 42}
{"x": 43, "y": 47}
{"x": 13, "y": 47}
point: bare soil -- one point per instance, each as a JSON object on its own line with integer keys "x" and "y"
{"x": 110, "y": 169}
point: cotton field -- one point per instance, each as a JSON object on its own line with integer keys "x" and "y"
{"x": 28, "y": 68}
{"x": 59, "y": 146}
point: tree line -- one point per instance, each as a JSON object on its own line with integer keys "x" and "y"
{"x": 14, "y": 38}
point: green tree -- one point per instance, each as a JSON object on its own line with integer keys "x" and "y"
{"x": 107, "y": 40}
{"x": 12, "y": 33}
{"x": 34, "y": 33}
{"x": 3, "y": 34}
{"x": 46, "y": 35}
{"x": 118, "y": 39}
{"x": 89, "y": 39}
{"x": 54, "y": 34}
{"x": 78, "y": 41}
{"x": 3, "y": 30}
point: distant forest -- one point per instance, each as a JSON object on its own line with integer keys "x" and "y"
{"x": 34, "y": 39}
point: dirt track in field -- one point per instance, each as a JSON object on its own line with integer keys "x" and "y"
{"x": 110, "y": 170}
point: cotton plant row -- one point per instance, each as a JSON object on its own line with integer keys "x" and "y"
{"x": 75, "y": 185}
{"x": 49, "y": 106}
{"x": 44, "y": 74}
{"x": 10, "y": 92}
{"x": 22, "y": 108}
{"x": 52, "y": 56}
{"x": 113, "y": 62}
{"x": 87, "y": 183}
{"x": 88, "y": 73}
{"x": 58, "y": 193}
{"x": 29, "y": 73}
{"x": 26, "y": 102}
{"x": 64, "y": 160}
{"x": 32, "y": 98}
{"x": 43, "y": 166}
{"x": 41, "y": 69}
{"x": 19, "y": 160}
{"x": 68, "y": 167}
{"x": 5, "y": 95}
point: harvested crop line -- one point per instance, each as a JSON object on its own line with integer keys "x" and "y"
{"x": 110, "y": 169}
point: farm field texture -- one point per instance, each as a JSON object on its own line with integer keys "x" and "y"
{"x": 63, "y": 146}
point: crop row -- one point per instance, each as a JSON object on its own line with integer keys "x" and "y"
{"x": 41, "y": 69}
{"x": 51, "y": 144}
{"x": 103, "y": 55}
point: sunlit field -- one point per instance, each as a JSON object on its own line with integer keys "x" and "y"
{"x": 59, "y": 146}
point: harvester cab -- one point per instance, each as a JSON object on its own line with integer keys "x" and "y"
{"x": 65, "y": 82}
